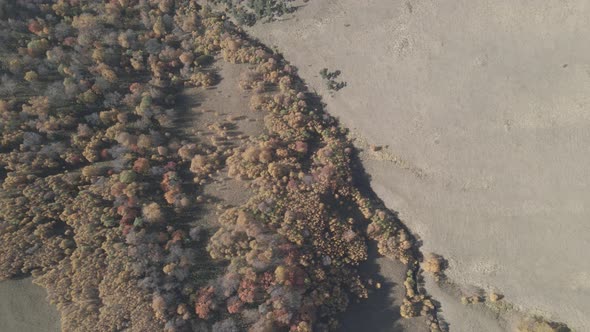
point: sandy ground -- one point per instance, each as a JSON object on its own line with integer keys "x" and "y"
{"x": 483, "y": 109}
{"x": 23, "y": 308}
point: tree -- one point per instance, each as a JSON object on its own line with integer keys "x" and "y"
{"x": 37, "y": 47}
{"x": 204, "y": 303}
{"x": 152, "y": 213}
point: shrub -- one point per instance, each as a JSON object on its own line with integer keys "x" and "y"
{"x": 31, "y": 76}
{"x": 127, "y": 176}
{"x": 434, "y": 264}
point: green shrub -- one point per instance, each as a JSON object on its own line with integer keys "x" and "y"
{"x": 128, "y": 176}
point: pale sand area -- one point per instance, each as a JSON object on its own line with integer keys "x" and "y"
{"x": 484, "y": 107}
{"x": 23, "y": 308}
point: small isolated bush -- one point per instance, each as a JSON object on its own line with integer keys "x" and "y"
{"x": 330, "y": 79}
{"x": 434, "y": 264}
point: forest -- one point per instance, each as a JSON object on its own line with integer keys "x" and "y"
{"x": 99, "y": 192}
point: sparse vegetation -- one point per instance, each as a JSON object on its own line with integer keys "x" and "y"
{"x": 538, "y": 324}
{"x": 250, "y": 11}
{"x": 495, "y": 297}
{"x": 330, "y": 79}
{"x": 471, "y": 299}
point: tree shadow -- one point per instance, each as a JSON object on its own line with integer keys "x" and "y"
{"x": 378, "y": 312}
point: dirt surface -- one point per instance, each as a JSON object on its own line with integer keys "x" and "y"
{"x": 23, "y": 308}
{"x": 223, "y": 104}
{"x": 482, "y": 111}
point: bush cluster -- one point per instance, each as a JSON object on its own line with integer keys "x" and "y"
{"x": 250, "y": 11}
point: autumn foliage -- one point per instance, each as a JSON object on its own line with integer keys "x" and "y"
{"x": 98, "y": 189}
